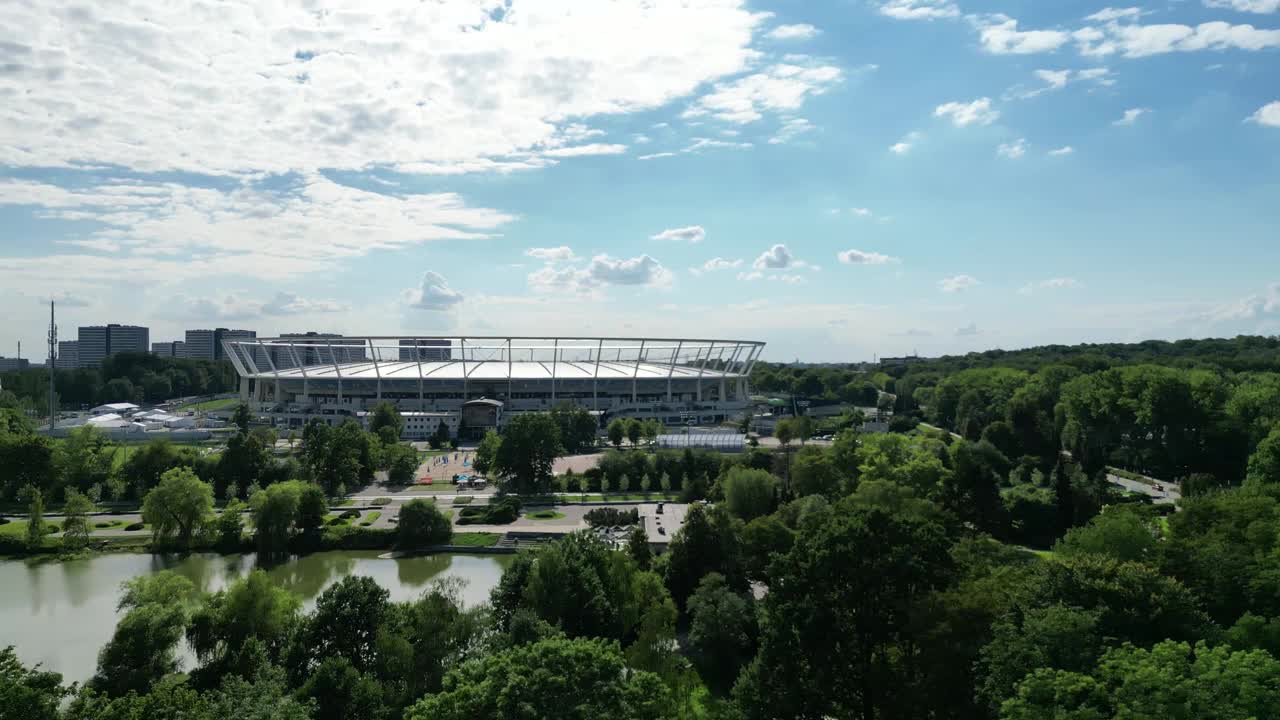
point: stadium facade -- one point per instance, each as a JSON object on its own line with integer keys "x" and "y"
{"x": 475, "y": 383}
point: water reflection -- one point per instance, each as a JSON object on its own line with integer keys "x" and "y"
{"x": 60, "y": 614}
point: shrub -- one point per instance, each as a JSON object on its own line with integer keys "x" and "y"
{"x": 134, "y": 527}
{"x": 4, "y": 521}
{"x": 350, "y": 514}
{"x": 608, "y": 517}
{"x": 381, "y": 501}
{"x": 422, "y": 524}
{"x": 464, "y": 500}
{"x": 102, "y": 525}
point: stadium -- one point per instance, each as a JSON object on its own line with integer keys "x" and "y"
{"x": 472, "y": 384}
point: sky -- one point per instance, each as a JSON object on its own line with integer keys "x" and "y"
{"x": 842, "y": 179}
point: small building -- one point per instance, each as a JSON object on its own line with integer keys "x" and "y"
{"x": 481, "y": 415}
{"x": 114, "y": 408}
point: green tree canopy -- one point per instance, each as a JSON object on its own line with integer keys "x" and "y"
{"x": 177, "y": 506}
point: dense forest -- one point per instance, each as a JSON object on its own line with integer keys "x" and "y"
{"x": 127, "y": 377}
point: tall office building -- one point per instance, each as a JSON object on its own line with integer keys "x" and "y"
{"x": 8, "y": 364}
{"x": 98, "y": 342}
{"x": 68, "y": 354}
{"x": 207, "y": 344}
{"x": 172, "y": 348}
{"x": 333, "y": 349}
{"x": 425, "y": 350}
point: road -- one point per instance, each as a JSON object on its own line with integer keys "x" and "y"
{"x": 1170, "y": 495}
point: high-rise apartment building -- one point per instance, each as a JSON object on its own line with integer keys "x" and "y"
{"x": 207, "y": 344}
{"x": 68, "y": 354}
{"x": 171, "y": 348}
{"x": 98, "y": 342}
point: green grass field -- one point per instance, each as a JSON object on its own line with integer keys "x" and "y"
{"x": 211, "y": 405}
{"x": 370, "y": 518}
{"x": 474, "y": 539}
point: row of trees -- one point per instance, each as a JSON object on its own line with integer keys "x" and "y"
{"x": 126, "y": 377}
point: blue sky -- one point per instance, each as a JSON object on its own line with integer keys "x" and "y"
{"x": 840, "y": 179}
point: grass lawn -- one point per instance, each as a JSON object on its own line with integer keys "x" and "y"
{"x": 545, "y": 515}
{"x": 474, "y": 539}
{"x": 464, "y": 500}
{"x": 211, "y": 405}
{"x": 14, "y": 528}
{"x": 1044, "y": 554}
{"x": 370, "y": 518}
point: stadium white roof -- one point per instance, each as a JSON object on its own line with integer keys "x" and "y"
{"x": 491, "y": 370}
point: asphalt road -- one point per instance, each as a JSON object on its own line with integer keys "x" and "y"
{"x": 1168, "y": 496}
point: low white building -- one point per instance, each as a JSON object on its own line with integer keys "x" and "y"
{"x": 114, "y": 408}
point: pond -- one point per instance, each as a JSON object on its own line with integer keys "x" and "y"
{"x": 61, "y": 613}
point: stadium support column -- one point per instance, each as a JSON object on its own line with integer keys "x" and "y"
{"x": 244, "y": 389}
{"x": 675, "y": 356}
{"x": 462, "y": 342}
{"x": 555, "y": 357}
{"x": 595, "y": 378}
{"x": 703, "y": 368}
{"x": 417, "y": 352}
{"x": 635, "y": 372}
{"x": 373, "y": 355}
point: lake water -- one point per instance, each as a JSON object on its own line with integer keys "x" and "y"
{"x": 61, "y": 613}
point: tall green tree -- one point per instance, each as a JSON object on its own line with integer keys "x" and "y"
{"x": 422, "y": 525}
{"x": 35, "y": 519}
{"x": 252, "y": 615}
{"x": 75, "y": 520}
{"x": 387, "y": 423}
{"x": 722, "y": 632}
{"x": 177, "y": 506}
{"x": 530, "y": 445}
{"x": 749, "y": 493}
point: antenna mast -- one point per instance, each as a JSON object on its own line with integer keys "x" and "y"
{"x": 53, "y": 355}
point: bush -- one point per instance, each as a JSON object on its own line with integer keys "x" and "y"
{"x": 464, "y": 500}
{"x": 381, "y": 501}
{"x": 609, "y": 517}
{"x": 350, "y": 514}
{"x": 4, "y": 521}
{"x": 503, "y": 510}
{"x": 102, "y": 525}
{"x": 134, "y": 527}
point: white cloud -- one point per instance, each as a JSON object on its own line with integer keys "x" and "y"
{"x": 919, "y": 9}
{"x": 1134, "y": 40}
{"x": 655, "y": 156}
{"x": 978, "y": 112}
{"x": 307, "y": 226}
{"x": 1000, "y": 36}
{"x": 957, "y": 283}
{"x": 1131, "y": 116}
{"x": 291, "y": 304}
{"x": 1268, "y": 115}
{"x": 860, "y": 257}
{"x": 775, "y": 258}
{"x": 1110, "y": 14}
{"x": 601, "y": 272}
{"x": 1252, "y": 6}
{"x": 782, "y": 87}
{"x": 702, "y": 143}
{"x": 280, "y": 86}
{"x": 903, "y": 146}
{"x": 801, "y": 31}
{"x": 433, "y": 294}
{"x": 1064, "y": 150}
{"x": 551, "y": 254}
{"x": 716, "y": 264}
{"x": 1058, "y": 79}
{"x": 582, "y": 150}
{"x": 1013, "y": 150}
{"x": 1060, "y": 283}
{"x": 790, "y": 128}
{"x": 862, "y": 212}
{"x": 690, "y": 234}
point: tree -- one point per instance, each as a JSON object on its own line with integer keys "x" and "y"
{"x": 705, "y": 544}
{"x": 144, "y": 466}
{"x": 339, "y": 692}
{"x": 1117, "y": 533}
{"x": 312, "y": 506}
{"x": 1264, "y": 463}
{"x": 784, "y": 431}
{"x": 617, "y": 432}
{"x": 402, "y": 463}
{"x": 32, "y": 694}
{"x": 638, "y": 547}
{"x": 580, "y": 679}
{"x": 972, "y": 490}
{"x": 762, "y": 539}
{"x": 1171, "y": 680}
{"x": 814, "y": 472}
{"x": 35, "y": 519}
{"x": 577, "y": 427}
{"x": 441, "y": 437}
{"x": 487, "y": 452}
{"x": 141, "y": 650}
{"x": 275, "y": 511}
{"x": 175, "y": 508}
{"x": 634, "y": 431}
{"x": 230, "y": 524}
{"x": 422, "y": 525}
{"x": 241, "y": 417}
{"x": 839, "y": 609}
{"x": 386, "y": 423}
{"x": 749, "y": 493}
{"x": 250, "y": 616}
{"x": 722, "y": 632}
{"x": 345, "y": 623}
{"x": 530, "y": 445}
{"x": 75, "y": 522}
